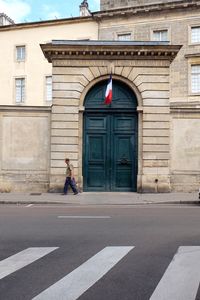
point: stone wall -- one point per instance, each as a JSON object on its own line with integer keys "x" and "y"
{"x": 185, "y": 148}
{"x": 113, "y": 4}
{"x": 25, "y": 141}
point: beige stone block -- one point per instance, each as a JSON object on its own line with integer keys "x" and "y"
{"x": 155, "y": 132}
{"x": 64, "y": 125}
{"x": 156, "y": 110}
{"x": 156, "y": 117}
{"x": 156, "y": 183}
{"x": 153, "y": 87}
{"x": 63, "y": 155}
{"x": 118, "y": 70}
{"x": 156, "y": 140}
{"x": 58, "y": 171}
{"x": 147, "y": 71}
{"x": 77, "y": 71}
{"x": 126, "y": 71}
{"x": 65, "y": 117}
{"x": 95, "y": 71}
{"x": 156, "y": 155}
{"x": 156, "y": 148}
{"x": 64, "y": 148}
{"x": 61, "y": 164}
{"x": 156, "y": 125}
{"x": 71, "y": 78}
{"x": 156, "y": 163}
{"x": 64, "y": 109}
{"x": 66, "y": 102}
{"x": 64, "y": 140}
{"x": 68, "y": 86}
{"x": 151, "y": 79}
{"x": 5, "y": 186}
{"x": 155, "y": 102}
{"x": 66, "y": 94}
{"x": 185, "y": 183}
{"x": 103, "y": 71}
{"x": 64, "y": 132}
{"x": 156, "y": 170}
{"x": 155, "y": 94}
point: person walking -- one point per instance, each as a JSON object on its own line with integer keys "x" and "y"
{"x": 70, "y": 181}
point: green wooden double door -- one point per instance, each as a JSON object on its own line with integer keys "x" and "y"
{"x": 110, "y": 151}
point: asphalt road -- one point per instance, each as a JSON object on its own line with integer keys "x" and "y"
{"x": 142, "y": 241}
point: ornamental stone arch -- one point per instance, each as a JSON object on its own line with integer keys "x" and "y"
{"x": 144, "y": 67}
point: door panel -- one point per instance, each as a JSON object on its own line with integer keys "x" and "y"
{"x": 110, "y": 152}
{"x": 96, "y": 160}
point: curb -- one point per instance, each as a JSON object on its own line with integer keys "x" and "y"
{"x": 16, "y": 202}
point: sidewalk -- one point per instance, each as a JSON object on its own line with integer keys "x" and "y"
{"x": 94, "y": 198}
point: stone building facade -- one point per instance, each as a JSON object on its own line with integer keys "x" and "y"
{"x": 114, "y": 4}
{"x": 146, "y": 74}
{"x": 178, "y": 22}
{"x": 148, "y": 139}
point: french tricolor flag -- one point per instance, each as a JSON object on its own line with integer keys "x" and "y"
{"x": 108, "y": 95}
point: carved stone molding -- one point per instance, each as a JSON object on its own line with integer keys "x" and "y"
{"x": 105, "y": 50}
{"x": 147, "y": 8}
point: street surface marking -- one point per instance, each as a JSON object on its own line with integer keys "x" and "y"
{"x": 22, "y": 259}
{"x": 181, "y": 279}
{"x": 73, "y": 285}
{"x": 84, "y": 217}
{"x": 29, "y": 205}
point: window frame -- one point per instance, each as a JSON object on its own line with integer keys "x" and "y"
{"x": 45, "y": 89}
{"x": 160, "y": 30}
{"x": 156, "y": 28}
{"x": 15, "y": 90}
{"x": 118, "y": 33}
{"x": 193, "y": 93}
{"x": 16, "y": 53}
{"x": 190, "y": 34}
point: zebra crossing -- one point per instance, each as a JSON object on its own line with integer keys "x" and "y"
{"x": 180, "y": 280}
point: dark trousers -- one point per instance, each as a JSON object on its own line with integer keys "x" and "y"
{"x": 70, "y": 182}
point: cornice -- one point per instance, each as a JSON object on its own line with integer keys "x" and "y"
{"x": 10, "y": 108}
{"x": 185, "y": 107}
{"x": 191, "y": 55}
{"x": 109, "y": 51}
{"x": 46, "y": 23}
{"x": 145, "y": 9}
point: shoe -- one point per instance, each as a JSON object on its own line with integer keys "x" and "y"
{"x": 76, "y": 193}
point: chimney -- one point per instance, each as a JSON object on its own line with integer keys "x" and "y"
{"x": 84, "y": 9}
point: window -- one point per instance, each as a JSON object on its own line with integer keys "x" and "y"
{"x": 20, "y": 53}
{"x": 195, "y": 34}
{"x": 48, "y": 88}
{"x": 19, "y": 90}
{"x": 160, "y": 35}
{"x": 195, "y": 79}
{"x": 124, "y": 37}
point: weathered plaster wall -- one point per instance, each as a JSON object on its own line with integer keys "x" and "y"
{"x": 25, "y": 140}
{"x": 185, "y": 150}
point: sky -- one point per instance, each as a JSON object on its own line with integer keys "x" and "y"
{"x": 37, "y": 10}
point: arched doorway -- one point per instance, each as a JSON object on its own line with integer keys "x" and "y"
{"x": 110, "y": 139}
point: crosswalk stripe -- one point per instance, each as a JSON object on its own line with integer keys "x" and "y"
{"x": 84, "y": 217}
{"x": 78, "y": 281}
{"x": 22, "y": 259}
{"x": 182, "y": 277}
